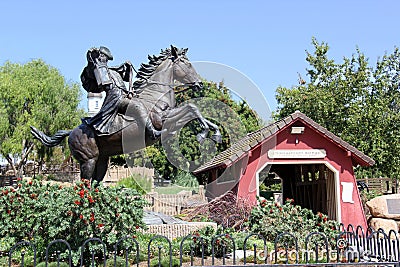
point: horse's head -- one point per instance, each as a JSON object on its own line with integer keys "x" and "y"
{"x": 183, "y": 70}
{"x": 171, "y": 68}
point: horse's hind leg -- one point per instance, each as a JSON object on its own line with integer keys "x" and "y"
{"x": 87, "y": 168}
{"x": 82, "y": 144}
{"x": 100, "y": 169}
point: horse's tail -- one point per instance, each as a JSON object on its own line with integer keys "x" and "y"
{"x": 50, "y": 141}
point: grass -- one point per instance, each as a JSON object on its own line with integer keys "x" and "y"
{"x": 174, "y": 189}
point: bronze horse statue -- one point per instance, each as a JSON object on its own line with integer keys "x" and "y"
{"x": 156, "y": 83}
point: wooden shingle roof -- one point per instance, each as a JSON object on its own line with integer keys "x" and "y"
{"x": 251, "y": 140}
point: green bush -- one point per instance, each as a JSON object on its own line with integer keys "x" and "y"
{"x": 186, "y": 179}
{"x": 40, "y": 213}
{"x": 165, "y": 262}
{"x": 271, "y": 219}
{"x": 120, "y": 262}
{"x": 53, "y": 264}
{"x": 136, "y": 182}
{"x": 368, "y": 195}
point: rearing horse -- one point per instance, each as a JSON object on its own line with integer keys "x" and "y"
{"x": 155, "y": 86}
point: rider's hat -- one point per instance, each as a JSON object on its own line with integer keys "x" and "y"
{"x": 106, "y": 52}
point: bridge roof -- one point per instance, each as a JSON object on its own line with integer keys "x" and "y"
{"x": 251, "y": 140}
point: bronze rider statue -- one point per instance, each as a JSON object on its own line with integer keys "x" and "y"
{"x": 97, "y": 77}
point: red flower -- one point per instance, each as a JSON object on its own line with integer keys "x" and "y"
{"x": 91, "y": 200}
{"x": 9, "y": 211}
{"x": 320, "y": 214}
{"x": 96, "y": 190}
{"x": 91, "y": 217}
{"x": 263, "y": 203}
{"x": 81, "y": 216}
{"x": 19, "y": 179}
{"x": 100, "y": 225}
{"x": 30, "y": 183}
{"x": 33, "y": 195}
{"x": 77, "y": 202}
{"x": 137, "y": 226}
{"x": 5, "y": 192}
{"x": 85, "y": 182}
{"x": 289, "y": 200}
{"x": 81, "y": 193}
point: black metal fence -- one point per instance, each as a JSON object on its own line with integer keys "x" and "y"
{"x": 352, "y": 246}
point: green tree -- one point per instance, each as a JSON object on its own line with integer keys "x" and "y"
{"x": 355, "y": 101}
{"x": 33, "y": 94}
{"x": 188, "y": 148}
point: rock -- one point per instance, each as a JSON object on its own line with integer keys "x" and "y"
{"x": 387, "y": 206}
{"x": 385, "y": 224}
{"x": 158, "y": 218}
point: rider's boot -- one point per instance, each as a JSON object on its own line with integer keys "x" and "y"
{"x": 154, "y": 133}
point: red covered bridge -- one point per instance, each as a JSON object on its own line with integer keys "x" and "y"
{"x": 312, "y": 166}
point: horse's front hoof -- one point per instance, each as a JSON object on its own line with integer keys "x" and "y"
{"x": 217, "y": 138}
{"x": 200, "y": 138}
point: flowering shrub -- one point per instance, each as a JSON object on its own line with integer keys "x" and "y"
{"x": 271, "y": 219}
{"x": 41, "y": 213}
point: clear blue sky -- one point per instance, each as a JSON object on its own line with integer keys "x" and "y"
{"x": 265, "y": 40}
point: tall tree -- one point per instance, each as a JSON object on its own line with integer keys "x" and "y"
{"x": 355, "y": 101}
{"x": 33, "y": 94}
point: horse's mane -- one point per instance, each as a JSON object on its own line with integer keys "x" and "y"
{"x": 145, "y": 71}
